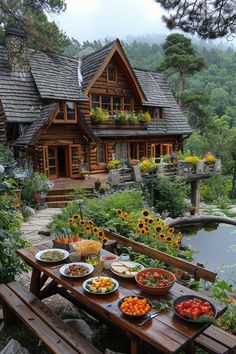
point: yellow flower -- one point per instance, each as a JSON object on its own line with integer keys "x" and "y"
{"x": 101, "y": 234}
{"x": 150, "y": 221}
{"x": 82, "y": 222}
{"x": 145, "y": 213}
{"x": 90, "y": 222}
{"x": 119, "y": 211}
{"x": 143, "y": 232}
{"x": 158, "y": 228}
{"x": 95, "y": 229}
{"x": 171, "y": 229}
{"x": 76, "y": 216}
{"x": 140, "y": 224}
{"x": 70, "y": 220}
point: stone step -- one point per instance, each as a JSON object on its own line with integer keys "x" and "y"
{"x": 58, "y": 204}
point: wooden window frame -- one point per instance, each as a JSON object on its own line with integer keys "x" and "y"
{"x": 111, "y": 102}
{"x": 153, "y": 148}
{"x": 104, "y": 154}
{"x": 114, "y": 69}
{"x": 65, "y": 120}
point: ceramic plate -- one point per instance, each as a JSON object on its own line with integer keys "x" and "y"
{"x": 40, "y": 253}
{"x": 114, "y": 281}
{"x": 63, "y": 269}
{"x": 122, "y": 268}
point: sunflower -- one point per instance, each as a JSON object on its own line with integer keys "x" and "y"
{"x": 171, "y": 229}
{"x": 162, "y": 236}
{"x": 119, "y": 211}
{"x": 158, "y": 228}
{"x": 70, "y": 220}
{"x": 145, "y": 213}
{"x": 90, "y": 222}
{"x": 143, "y": 232}
{"x": 101, "y": 234}
{"x": 76, "y": 216}
{"x": 140, "y": 224}
{"x": 146, "y": 228}
{"x": 88, "y": 230}
{"x": 154, "y": 237}
{"x": 150, "y": 221}
{"x": 82, "y": 222}
{"x": 104, "y": 239}
{"x": 168, "y": 239}
{"x": 95, "y": 229}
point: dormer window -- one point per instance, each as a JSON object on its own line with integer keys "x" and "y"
{"x": 67, "y": 113}
{"x": 111, "y": 74}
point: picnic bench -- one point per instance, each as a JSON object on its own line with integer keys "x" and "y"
{"x": 58, "y": 336}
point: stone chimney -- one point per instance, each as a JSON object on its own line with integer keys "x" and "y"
{"x": 16, "y": 43}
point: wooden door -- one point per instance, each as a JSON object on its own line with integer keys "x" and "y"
{"x": 52, "y": 162}
{"x": 74, "y": 160}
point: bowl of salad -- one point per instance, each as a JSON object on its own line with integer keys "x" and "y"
{"x": 155, "y": 280}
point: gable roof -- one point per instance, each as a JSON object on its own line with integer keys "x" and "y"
{"x": 95, "y": 63}
{"x": 18, "y": 93}
{"x": 30, "y": 134}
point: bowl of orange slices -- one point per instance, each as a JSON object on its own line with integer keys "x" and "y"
{"x": 135, "y": 306}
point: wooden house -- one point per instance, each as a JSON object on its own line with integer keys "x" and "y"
{"x": 46, "y": 101}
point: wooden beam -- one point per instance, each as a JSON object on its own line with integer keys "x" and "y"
{"x": 195, "y": 270}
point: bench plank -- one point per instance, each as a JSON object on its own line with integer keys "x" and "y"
{"x": 65, "y": 331}
{"x": 210, "y": 345}
{"x": 53, "y": 341}
{"x": 228, "y": 339}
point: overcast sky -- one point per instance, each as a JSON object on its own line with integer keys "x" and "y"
{"x": 97, "y": 19}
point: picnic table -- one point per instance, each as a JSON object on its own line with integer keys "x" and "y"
{"x": 166, "y": 332}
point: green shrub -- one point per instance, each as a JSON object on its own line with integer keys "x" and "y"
{"x": 10, "y": 263}
{"x": 6, "y": 155}
{"x": 167, "y": 195}
{"x": 215, "y": 188}
{"x": 37, "y": 183}
{"x": 112, "y": 164}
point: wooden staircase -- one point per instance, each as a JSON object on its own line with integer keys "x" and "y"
{"x": 59, "y": 198}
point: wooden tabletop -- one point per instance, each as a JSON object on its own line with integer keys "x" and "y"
{"x": 166, "y": 332}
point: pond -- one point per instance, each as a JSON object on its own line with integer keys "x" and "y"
{"x": 215, "y": 245}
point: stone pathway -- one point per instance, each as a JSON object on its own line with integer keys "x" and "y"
{"x": 31, "y": 227}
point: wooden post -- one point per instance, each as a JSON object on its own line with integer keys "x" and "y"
{"x": 195, "y": 194}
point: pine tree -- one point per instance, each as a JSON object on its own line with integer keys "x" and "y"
{"x": 180, "y": 57}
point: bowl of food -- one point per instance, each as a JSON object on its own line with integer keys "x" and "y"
{"x": 100, "y": 285}
{"x": 108, "y": 260}
{"x": 194, "y": 308}
{"x": 155, "y": 280}
{"x": 76, "y": 270}
{"x": 134, "y": 306}
{"x": 52, "y": 255}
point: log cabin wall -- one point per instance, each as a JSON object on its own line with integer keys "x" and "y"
{"x": 3, "y": 137}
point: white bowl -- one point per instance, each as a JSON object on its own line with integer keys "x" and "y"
{"x": 108, "y": 260}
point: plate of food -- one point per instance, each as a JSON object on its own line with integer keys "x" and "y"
{"x": 100, "y": 285}
{"x": 194, "y": 308}
{"x": 135, "y": 306}
{"x": 126, "y": 269}
{"x": 52, "y": 255}
{"x": 76, "y": 270}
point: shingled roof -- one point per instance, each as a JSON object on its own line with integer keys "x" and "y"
{"x": 18, "y": 93}
{"x": 27, "y": 137}
{"x": 174, "y": 121}
{"x": 56, "y": 76}
{"x": 92, "y": 62}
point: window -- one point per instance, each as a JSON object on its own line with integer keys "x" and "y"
{"x": 121, "y": 151}
{"x": 101, "y": 153}
{"x": 127, "y": 104}
{"x": 67, "y": 113}
{"x": 141, "y": 150}
{"x": 112, "y": 103}
{"x": 111, "y": 74}
{"x": 159, "y": 150}
{"x": 70, "y": 109}
{"x": 137, "y": 150}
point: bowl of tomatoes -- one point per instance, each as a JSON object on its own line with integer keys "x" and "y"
{"x": 155, "y": 280}
{"x": 194, "y": 308}
{"x": 135, "y": 306}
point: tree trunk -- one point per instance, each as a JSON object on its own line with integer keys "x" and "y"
{"x": 181, "y": 88}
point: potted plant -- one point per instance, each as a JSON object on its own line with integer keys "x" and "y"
{"x": 144, "y": 117}
{"x": 183, "y": 277}
{"x": 132, "y": 118}
{"x": 98, "y": 115}
{"x": 121, "y": 117}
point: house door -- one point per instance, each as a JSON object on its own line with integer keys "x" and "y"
{"x": 74, "y": 160}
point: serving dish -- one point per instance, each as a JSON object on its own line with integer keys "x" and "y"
{"x": 193, "y": 308}
{"x": 76, "y": 270}
{"x": 100, "y": 285}
{"x": 52, "y": 255}
{"x": 126, "y": 269}
{"x": 155, "y": 280}
{"x": 135, "y": 306}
